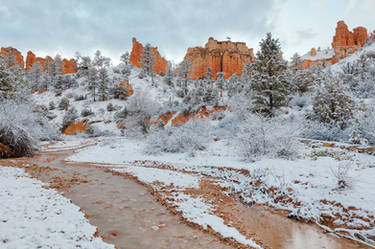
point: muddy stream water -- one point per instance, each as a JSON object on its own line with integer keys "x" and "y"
{"x": 128, "y": 216}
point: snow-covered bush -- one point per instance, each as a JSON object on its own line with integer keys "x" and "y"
{"x": 188, "y": 137}
{"x": 331, "y": 105}
{"x": 141, "y": 108}
{"x": 64, "y": 104}
{"x": 17, "y": 139}
{"x": 51, "y": 105}
{"x": 110, "y": 107}
{"x": 122, "y": 114}
{"x": 321, "y": 131}
{"x": 79, "y": 98}
{"x": 301, "y": 101}
{"x": 86, "y": 112}
{"x": 23, "y": 128}
{"x": 258, "y": 136}
{"x": 69, "y": 118}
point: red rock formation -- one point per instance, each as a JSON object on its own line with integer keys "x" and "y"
{"x": 344, "y": 43}
{"x": 160, "y": 64}
{"x": 16, "y": 53}
{"x": 221, "y": 56}
{"x": 69, "y": 66}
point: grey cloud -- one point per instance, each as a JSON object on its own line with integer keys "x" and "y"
{"x": 70, "y": 25}
{"x": 306, "y": 34}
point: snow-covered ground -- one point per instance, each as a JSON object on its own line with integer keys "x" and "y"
{"x": 311, "y": 182}
{"x": 34, "y": 217}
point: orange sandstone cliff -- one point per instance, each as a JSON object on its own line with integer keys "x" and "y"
{"x": 69, "y": 66}
{"x": 17, "y": 55}
{"x": 160, "y": 63}
{"x": 344, "y": 43}
{"x": 221, "y": 56}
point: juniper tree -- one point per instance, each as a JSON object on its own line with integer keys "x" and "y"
{"x": 268, "y": 82}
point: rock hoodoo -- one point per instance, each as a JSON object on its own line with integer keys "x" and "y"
{"x": 344, "y": 43}
{"x": 14, "y": 52}
{"x": 160, "y": 63}
{"x": 221, "y": 56}
{"x": 69, "y": 66}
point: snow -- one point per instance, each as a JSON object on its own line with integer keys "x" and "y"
{"x": 34, "y": 217}
{"x": 311, "y": 177}
{"x": 195, "y": 210}
{"x": 320, "y": 55}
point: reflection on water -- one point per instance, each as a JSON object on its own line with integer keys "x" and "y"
{"x": 309, "y": 239}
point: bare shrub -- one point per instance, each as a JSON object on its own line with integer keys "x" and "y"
{"x": 258, "y": 136}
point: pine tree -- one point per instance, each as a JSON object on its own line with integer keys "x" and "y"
{"x": 7, "y": 85}
{"x": 92, "y": 81}
{"x": 35, "y": 75}
{"x": 57, "y": 67}
{"x": 209, "y": 75}
{"x": 296, "y": 61}
{"x": 268, "y": 81}
{"x": 220, "y": 82}
{"x": 125, "y": 66}
{"x": 147, "y": 60}
{"x": 168, "y": 78}
{"x": 103, "y": 82}
{"x": 185, "y": 68}
{"x": 233, "y": 85}
{"x": 100, "y": 61}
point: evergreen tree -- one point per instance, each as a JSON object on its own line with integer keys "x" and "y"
{"x": 185, "y": 68}
{"x": 233, "y": 85}
{"x": 268, "y": 80}
{"x": 168, "y": 78}
{"x": 331, "y": 105}
{"x": 57, "y": 66}
{"x": 100, "y": 61}
{"x": 147, "y": 60}
{"x": 296, "y": 61}
{"x": 125, "y": 66}
{"x": 92, "y": 81}
{"x": 208, "y": 75}
{"x": 7, "y": 85}
{"x": 35, "y": 75}
{"x": 220, "y": 82}
{"x": 103, "y": 82}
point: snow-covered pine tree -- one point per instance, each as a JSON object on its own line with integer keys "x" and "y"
{"x": 168, "y": 78}
{"x": 34, "y": 76}
{"x": 92, "y": 81}
{"x": 7, "y": 85}
{"x": 295, "y": 61}
{"x": 245, "y": 78}
{"x": 331, "y": 105}
{"x": 220, "y": 82}
{"x": 125, "y": 66}
{"x": 103, "y": 82}
{"x": 268, "y": 82}
{"x": 100, "y": 61}
{"x": 57, "y": 67}
{"x": 208, "y": 76}
{"x": 185, "y": 68}
{"x": 233, "y": 85}
{"x": 147, "y": 60}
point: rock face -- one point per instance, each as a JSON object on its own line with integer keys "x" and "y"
{"x": 16, "y": 53}
{"x": 221, "y": 56}
{"x": 344, "y": 43}
{"x": 69, "y": 66}
{"x": 160, "y": 63}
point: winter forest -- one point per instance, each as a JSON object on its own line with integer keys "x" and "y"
{"x": 288, "y": 144}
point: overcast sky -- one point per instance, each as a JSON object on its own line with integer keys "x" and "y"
{"x": 67, "y": 26}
